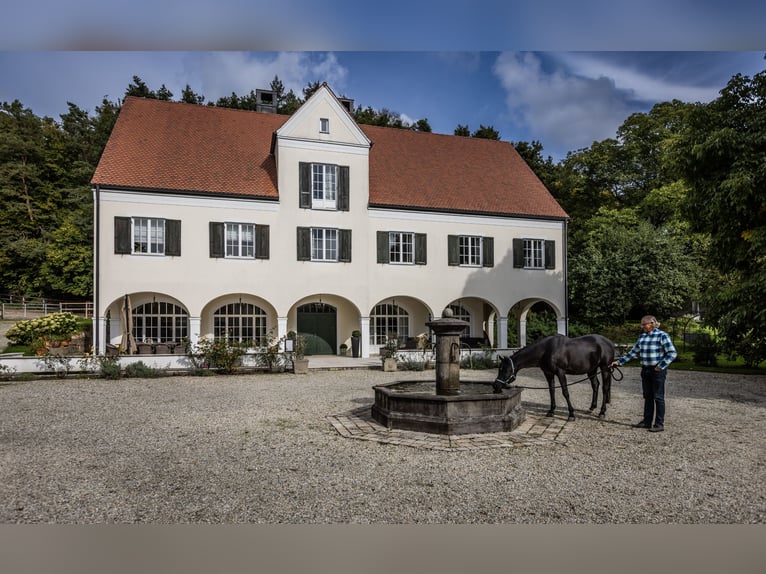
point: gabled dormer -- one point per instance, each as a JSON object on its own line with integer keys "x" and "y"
{"x": 323, "y": 120}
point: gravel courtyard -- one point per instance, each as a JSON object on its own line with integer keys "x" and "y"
{"x": 261, "y": 449}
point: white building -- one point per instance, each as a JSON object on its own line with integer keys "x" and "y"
{"x": 221, "y": 222}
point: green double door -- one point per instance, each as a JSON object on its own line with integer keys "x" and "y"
{"x": 318, "y": 325}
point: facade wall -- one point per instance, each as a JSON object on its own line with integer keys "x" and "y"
{"x": 200, "y": 284}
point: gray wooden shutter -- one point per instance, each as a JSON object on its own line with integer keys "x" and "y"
{"x": 453, "y": 250}
{"x": 343, "y": 188}
{"x": 304, "y": 243}
{"x": 421, "y": 249}
{"x": 304, "y": 185}
{"x": 216, "y": 239}
{"x": 122, "y": 239}
{"x": 344, "y": 245}
{"x": 173, "y": 237}
{"x": 488, "y": 251}
{"x": 384, "y": 255}
{"x": 550, "y": 254}
{"x": 518, "y": 253}
{"x": 261, "y": 241}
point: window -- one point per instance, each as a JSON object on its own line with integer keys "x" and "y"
{"x": 324, "y": 125}
{"x": 324, "y": 244}
{"x": 323, "y": 186}
{"x": 160, "y": 322}
{"x": 534, "y": 254}
{"x": 147, "y": 235}
{"x": 239, "y": 240}
{"x": 388, "y": 319}
{"x": 241, "y": 322}
{"x": 402, "y": 247}
{"x": 470, "y": 251}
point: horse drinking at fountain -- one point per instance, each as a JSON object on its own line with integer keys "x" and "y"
{"x": 559, "y": 356}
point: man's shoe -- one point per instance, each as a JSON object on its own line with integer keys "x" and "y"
{"x": 641, "y": 425}
{"x": 657, "y": 428}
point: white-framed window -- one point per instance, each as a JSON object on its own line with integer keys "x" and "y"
{"x": 534, "y": 253}
{"x": 149, "y": 235}
{"x": 241, "y": 322}
{"x": 388, "y": 319}
{"x": 324, "y": 125}
{"x": 324, "y": 244}
{"x": 470, "y": 250}
{"x": 240, "y": 240}
{"x": 401, "y": 247}
{"x": 160, "y": 322}
{"x": 324, "y": 186}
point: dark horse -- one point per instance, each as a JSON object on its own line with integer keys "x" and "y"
{"x": 560, "y": 356}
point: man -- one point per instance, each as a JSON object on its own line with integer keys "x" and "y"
{"x": 656, "y": 352}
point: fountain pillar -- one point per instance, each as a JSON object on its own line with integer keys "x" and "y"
{"x": 447, "y": 331}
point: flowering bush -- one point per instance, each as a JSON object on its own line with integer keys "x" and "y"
{"x": 220, "y": 354}
{"x": 53, "y": 327}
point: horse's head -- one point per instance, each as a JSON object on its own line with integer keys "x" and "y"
{"x": 506, "y": 373}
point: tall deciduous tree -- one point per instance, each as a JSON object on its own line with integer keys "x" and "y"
{"x": 722, "y": 156}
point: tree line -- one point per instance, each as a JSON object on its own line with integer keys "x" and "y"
{"x": 669, "y": 212}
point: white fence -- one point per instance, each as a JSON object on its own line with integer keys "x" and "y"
{"x": 30, "y": 309}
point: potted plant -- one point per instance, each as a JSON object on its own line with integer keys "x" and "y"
{"x": 300, "y": 362}
{"x": 389, "y": 353}
{"x": 356, "y": 337}
{"x": 343, "y": 349}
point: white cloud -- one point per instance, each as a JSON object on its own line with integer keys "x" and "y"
{"x": 221, "y": 73}
{"x": 560, "y": 110}
{"x": 646, "y": 86}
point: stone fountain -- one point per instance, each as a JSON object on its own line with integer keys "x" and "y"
{"x": 448, "y": 406}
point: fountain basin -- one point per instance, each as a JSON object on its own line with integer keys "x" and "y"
{"x": 413, "y": 405}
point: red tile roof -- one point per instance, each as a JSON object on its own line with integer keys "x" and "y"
{"x": 157, "y": 145}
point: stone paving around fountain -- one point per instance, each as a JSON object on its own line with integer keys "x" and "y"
{"x": 535, "y": 430}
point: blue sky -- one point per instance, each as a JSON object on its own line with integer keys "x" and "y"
{"x": 566, "y": 100}
{"x": 563, "y": 73}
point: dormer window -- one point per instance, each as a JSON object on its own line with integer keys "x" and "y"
{"x": 324, "y": 125}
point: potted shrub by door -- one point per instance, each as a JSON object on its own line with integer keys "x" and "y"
{"x": 343, "y": 349}
{"x": 356, "y": 337}
{"x": 388, "y": 353}
{"x": 300, "y": 362}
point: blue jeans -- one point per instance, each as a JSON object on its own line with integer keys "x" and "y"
{"x": 653, "y": 386}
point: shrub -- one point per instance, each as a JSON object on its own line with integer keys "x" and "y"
{"x": 141, "y": 370}
{"x": 706, "y": 350}
{"x": 6, "y": 372}
{"x": 407, "y": 362}
{"x": 53, "y": 327}
{"x": 219, "y": 354}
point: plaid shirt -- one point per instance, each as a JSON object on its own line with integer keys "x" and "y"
{"x": 654, "y": 348}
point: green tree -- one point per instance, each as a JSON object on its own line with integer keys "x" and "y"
{"x": 462, "y": 130}
{"x": 189, "y": 96}
{"x": 722, "y": 156}
{"x": 486, "y": 132}
{"x": 139, "y": 89}
{"x": 422, "y": 125}
{"x": 627, "y": 267}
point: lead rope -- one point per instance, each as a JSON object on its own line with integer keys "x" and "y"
{"x": 610, "y": 369}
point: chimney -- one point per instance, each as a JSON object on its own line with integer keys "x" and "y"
{"x": 348, "y": 104}
{"x": 265, "y": 101}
